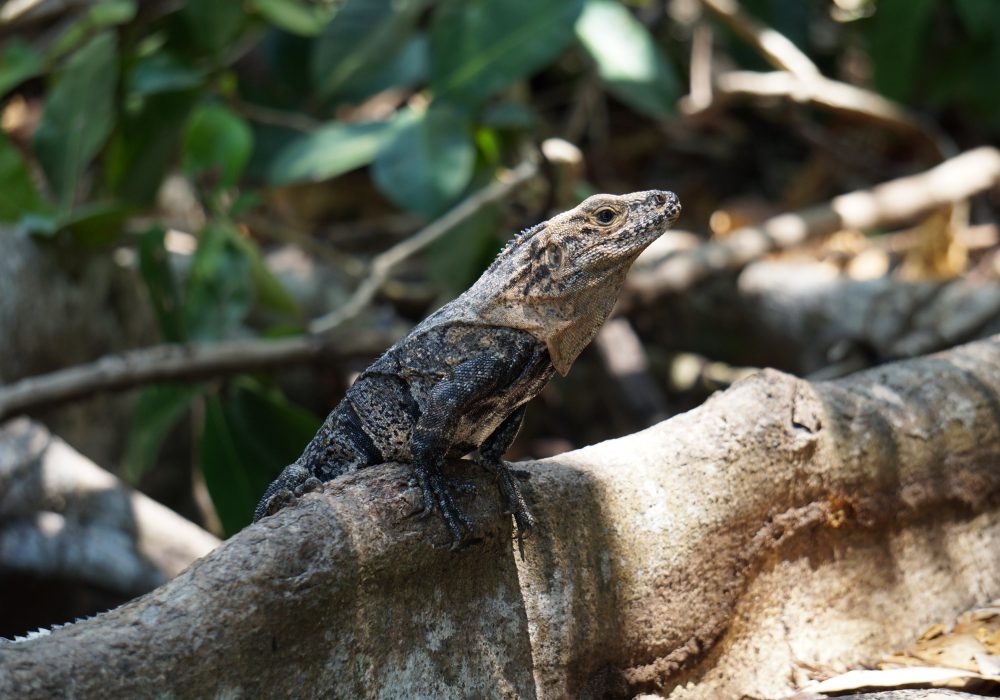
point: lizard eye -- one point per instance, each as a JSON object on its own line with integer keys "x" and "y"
{"x": 605, "y": 215}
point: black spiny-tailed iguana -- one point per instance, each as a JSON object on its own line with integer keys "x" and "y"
{"x": 460, "y": 380}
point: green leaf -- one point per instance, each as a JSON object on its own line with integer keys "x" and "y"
{"x": 269, "y": 292}
{"x": 146, "y": 145}
{"x": 898, "y": 33}
{"x": 217, "y": 142}
{"x": 101, "y": 15}
{"x": 402, "y": 68}
{"x": 359, "y": 37}
{"x": 164, "y": 294}
{"x": 159, "y": 408}
{"x": 78, "y": 117}
{"x": 162, "y": 72}
{"x": 109, "y": 13}
{"x": 628, "y": 60}
{"x": 18, "y": 195}
{"x": 248, "y": 438}
{"x": 229, "y": 485}
{"x": 19, "y": 61}
{"x": 219, "y": 289}
{"x": 479, "y": 47}
{"x": 459, "y": 257}
{"x": 329, "y": 151}
{"x": 213, "y": 24}
{"x": 428, "y": 162}
{"x": 97, "y": 223}
{"x": 980, "y": 17}
{"x": 509, "y": 115}
{"x": 302, "y": 18}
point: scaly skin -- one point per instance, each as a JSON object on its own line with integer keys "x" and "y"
{"x": 460, "y": 380}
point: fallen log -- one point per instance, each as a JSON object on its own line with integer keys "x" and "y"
{"x": 782, "y": 531}
{"x": 62, "y": 516}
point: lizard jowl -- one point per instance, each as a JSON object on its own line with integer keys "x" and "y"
{"x": 460, "y": 380}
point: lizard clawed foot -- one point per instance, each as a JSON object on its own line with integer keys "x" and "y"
{"x": 436, "y": 490}
{"x": 511, "y": 491}
{"x": 309, "y": 485}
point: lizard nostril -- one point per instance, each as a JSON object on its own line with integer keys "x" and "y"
{"x": 660, "y": 198}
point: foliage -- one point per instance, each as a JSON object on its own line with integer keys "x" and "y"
{"x": 244, "y": 98}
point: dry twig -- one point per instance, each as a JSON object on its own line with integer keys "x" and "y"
{"x": 777, "y": 49}
{"x": 181, "y": 363}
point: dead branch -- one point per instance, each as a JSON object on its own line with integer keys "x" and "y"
{"x": 898, "y": 200}
{"x": 183, "y": 363}
{"x": 831, "y": 95}
{"x": 726, "y": 551}
{"x": 63, "y": 516}
{"x": 800, "y": 80}
{"x": 777, "y": 49}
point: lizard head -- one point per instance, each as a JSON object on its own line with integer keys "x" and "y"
{"x": 560, "y": 279}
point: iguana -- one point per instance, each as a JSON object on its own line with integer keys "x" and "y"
{"x": 460, "y": 380}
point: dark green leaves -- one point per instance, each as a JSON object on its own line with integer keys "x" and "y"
{"x": 18, "y": 62}
{"x": 428, "y": 162}
{"x": 329, "y": 151}
{"x": 250, "y": 435}
{"x": 165, "y": 295}
{"x": 479, "y": 47}
{"x": 628, "y": 60}
{"x": 980, "y": 17}
{"x": 18, "y": 195}
{"x": 213, "y": 24}
{"x": 79, "y": 114}
{"x": 219, "y": 288}
{"x": 898, "y": 32}
{"x": 305, "y": 18}
{"x": 217, "y": 144}
{"x": 158, "y": 410}
{"x": 359, "y": 39}
{"x": 162, "y": 72}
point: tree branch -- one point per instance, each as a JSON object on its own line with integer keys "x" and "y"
{"x": 772, "y": 530}
{"x": 905, "y": 198}
{"x": 776, "y": 49}
{"x": 182, "y": 363}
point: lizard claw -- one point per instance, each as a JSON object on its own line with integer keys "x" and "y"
{"x": 436, "y": 492}
{"x": 507, "y": 479}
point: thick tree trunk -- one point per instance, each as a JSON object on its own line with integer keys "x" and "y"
{"x": 780, "y": 528}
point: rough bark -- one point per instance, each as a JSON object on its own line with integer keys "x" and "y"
{"x": 804, "y": 318}
{"x": 726, "y": 551}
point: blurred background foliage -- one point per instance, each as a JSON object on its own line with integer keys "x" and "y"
{"x": 274, "y": 115}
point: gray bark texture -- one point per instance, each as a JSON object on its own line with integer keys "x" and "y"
{"x": 806, "y": 317}
{"x": 782, "y": 530}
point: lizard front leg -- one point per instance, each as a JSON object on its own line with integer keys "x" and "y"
{"x": 491, "y": 456}
{"x": 434, "y": 433}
